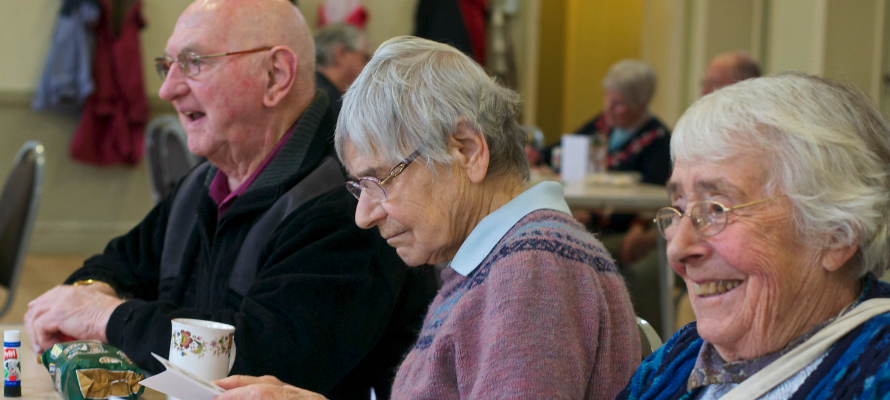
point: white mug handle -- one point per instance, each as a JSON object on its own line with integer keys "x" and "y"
{"x": 232, "y": 358}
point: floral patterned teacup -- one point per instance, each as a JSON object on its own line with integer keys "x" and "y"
{"x": 204, "y": 348}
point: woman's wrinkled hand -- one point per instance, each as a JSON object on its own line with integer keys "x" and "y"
{"x": 242, "y": 387}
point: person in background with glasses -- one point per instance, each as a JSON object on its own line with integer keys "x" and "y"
{"x": 261, "y": 237}
{"x": 779, "y": 228}
{"x": 532, "y": 306}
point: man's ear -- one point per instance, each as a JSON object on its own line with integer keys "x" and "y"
{"x": 281, "y": 73}
{"x": 469, "y": 149}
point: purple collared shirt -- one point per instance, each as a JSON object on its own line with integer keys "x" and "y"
{"x": 219, "y": 187}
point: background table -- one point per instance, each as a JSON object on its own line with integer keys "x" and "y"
{"x": 632, "y": 198}
{"x": 635, "y": 198}
{"x": 36, "y": 382}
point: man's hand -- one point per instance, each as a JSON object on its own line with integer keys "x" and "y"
{"x": 81, "y": 312}
{"x": 241, "y": 387}
{"x": 637, "y": 242}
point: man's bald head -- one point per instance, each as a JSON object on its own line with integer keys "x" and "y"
{"x": 728, "y": 68}
{"x": 256, "y": 76}
{"x": 242, "y": 24}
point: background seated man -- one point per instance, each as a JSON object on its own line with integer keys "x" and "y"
{"x": 315, "y": 300}
{"x": 341, "y": 51}
{"x": 728, "y": 68}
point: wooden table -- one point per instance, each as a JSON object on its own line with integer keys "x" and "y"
{"x": 36, "y": 382}
{"x": 632, "y": 198}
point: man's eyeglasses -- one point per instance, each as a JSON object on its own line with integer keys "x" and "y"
{"x": 373, "y": 187}
{"x": 708, "y": 217}
{"x": 190, "y": 63}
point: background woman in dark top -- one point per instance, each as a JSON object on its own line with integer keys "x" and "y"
{"x": 636, "y": 141}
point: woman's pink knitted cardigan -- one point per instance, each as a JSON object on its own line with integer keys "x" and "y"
{"x": 545, "y": 316}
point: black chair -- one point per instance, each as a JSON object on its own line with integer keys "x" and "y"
{"x": 18, "y": 208}
{"x": 168, "y": 158}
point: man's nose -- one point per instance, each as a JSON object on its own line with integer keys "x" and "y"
{"x": 369, "y": 212}
{"x": 174, "y": 84}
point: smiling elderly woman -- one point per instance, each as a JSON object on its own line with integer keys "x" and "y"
{"x": 786, "y": 183}
{"x": 531, "y": 306}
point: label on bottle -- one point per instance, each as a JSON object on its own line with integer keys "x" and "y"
{"x": 12, "y": 373}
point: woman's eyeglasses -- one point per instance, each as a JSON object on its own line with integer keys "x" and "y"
{"x": 373, "y": 187}
{"x": 708, "y": 217}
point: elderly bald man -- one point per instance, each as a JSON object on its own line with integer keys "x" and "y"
{"x": 728, "y": 68}
{"x": 261, "y": 237}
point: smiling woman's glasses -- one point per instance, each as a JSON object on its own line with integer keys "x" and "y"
{"x": 708, "y": 217}
{"x": 373, "y": 187}
{"x": 190, "y": 63}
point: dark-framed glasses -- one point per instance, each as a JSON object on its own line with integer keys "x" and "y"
{"x": 190, "y": 63}
{"x": 708, "y": 217}
{"x": 375, "y": 188}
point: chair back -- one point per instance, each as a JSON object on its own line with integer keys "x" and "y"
{"x": 18, "y": 208}
{"x": 168, "y": 156}
{"x": 649, "y": 340}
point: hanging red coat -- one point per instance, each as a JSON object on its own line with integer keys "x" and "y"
{"x": 112, "y": 125}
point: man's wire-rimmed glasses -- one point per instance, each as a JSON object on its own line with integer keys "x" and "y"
{"x": 190, "y": 63}
{"x": 708, "y": 217}
{"x": 374, "y": 187}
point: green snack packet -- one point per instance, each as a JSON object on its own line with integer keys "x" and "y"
{"x": 87, "y": 369}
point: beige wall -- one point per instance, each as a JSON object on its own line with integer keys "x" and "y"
{"x": 838, "y": 39}
{"x": 796, "y": 36}
{"x": 25, "y": 32}
{"x": 664, "y": 47}
{"x": 853, "y": 43}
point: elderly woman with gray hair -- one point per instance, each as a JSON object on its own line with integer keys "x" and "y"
{"x": 532, "y": 306}
{"x": 786, "y": 185}
{"x": 636, "y": 139}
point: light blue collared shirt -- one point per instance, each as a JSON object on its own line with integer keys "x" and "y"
{"x": 492, "y": 228}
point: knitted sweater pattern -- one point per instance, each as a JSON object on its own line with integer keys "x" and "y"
{"x": 545, "y": 315}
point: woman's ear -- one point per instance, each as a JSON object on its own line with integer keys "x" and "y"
{"x": 837, "y": 255}
{"x": 469, "y": 149}
{"x": 281, "y": 73}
